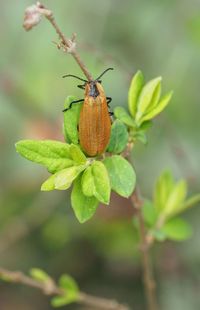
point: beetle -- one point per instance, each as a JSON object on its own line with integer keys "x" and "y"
{"x": 95, "y": 122}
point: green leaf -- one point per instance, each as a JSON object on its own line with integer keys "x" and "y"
{"x": 134, "y": 92}
{"x": 83, "y": 206}
{"x": 140, "y": 136}
{"x": 190, "y": 202}
{"x": 54, "y": 155}
{"x": 96, "y": 182}
{"x": 39, "y": 275}
{"x": 76, "y": 154}
{"x": 155, "y": 98}
{"x": 145, "y": 125}
{"x": 158, "y": 108}
{"x": 177, "y": 229}
{"x": 175, "y": 199}
{"x": 122, "y": 115}
{"x": 62, "y": 179}
{"x": 49, "y": 184}
{"x": 149, "y": 94}
{"x": 158, "y": 234}
{"x": 163, "y": 188}
{"x": 87, "y": 182}
{"x": 119, "y": 137}
{"x": 122, "y": 175}
{"x": 6, "y": 277}
{"x": 71, "y": 120}
{"x": 149, "y": 213}
{"x": 70, "y": 289}
{"x": 67, "y": 283}
{"x": 59, "y": 301}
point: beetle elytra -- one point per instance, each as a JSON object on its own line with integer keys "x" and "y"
{"x": 94, "y": 122}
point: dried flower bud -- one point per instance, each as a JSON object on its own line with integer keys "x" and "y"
{"x": 32, "y": 17}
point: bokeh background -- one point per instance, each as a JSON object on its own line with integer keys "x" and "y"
{"x": 39, "y": 229}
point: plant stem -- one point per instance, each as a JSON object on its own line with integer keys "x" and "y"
{"x": 146, "y": 242}
{"x": 32, "y": 18}
{"x": 50, "y": 288}
{"x": 70, "y": 47}
{"x": 148, "y": 278}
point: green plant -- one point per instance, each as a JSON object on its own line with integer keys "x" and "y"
{"x": 162, "y": 214}
{"x": 93, "y": 179}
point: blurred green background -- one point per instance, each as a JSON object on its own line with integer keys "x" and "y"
{"x": 39, "y": 229}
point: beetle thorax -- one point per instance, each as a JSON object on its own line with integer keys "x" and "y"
{"x": 93, "y": 89}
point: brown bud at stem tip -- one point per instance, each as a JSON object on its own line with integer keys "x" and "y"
{"x": 32, "y": 17}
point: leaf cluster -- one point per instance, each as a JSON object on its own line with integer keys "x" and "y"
{"x": 163, "y": 214}
{"x": 144, "y": 103}
{"x": 93, "y": 179}
{"x": 67, "y": 285}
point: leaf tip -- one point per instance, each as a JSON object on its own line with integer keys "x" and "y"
{"x": 18, "y": 144}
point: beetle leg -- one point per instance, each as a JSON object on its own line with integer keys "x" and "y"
{"x": 75, "y": 101}
{"x": 81, "y": 86}
{"x": 109, "y": 99}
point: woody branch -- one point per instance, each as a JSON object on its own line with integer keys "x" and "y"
{"x": 145, "y": 243}
{"x": 50, "y": 288}
{"x": 148, "y": 277}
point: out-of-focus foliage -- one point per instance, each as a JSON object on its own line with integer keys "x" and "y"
{"x": 70, "y": 288}
{"x": 38, "y": 229}
{"x": 162, "y": 214}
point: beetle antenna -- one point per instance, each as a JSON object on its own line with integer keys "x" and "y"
{"x": 71, "y": 75}
{"x": 103, "y": 73}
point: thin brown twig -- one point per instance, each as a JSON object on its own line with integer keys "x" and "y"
{"x": 146, "y": 242}
{"x": 33, "y": 16}
{"x": 70, "y": 47}
{"x": 127, "y": 152}
{"x": 149, "y": 282}
{"x": 50, "y": 288}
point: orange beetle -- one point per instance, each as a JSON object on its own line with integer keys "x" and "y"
{"x": 94, "y": 122}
